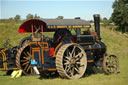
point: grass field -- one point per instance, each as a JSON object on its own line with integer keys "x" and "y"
{"x": 95, "y": 79}
{"x": 116, "y": 43}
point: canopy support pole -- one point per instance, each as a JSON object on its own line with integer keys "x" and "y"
{"x": 32, "y": 29}
{"x": 42, "y": 31}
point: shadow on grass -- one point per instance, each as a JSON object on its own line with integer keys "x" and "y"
{"x": 89, "y": 71}
{"x": 6, "y": 73}
{"x": 49, "y": 75}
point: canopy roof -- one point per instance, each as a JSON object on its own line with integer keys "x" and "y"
{"x": 52, "y": 24}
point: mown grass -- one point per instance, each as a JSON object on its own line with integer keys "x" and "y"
{"x": 95, "y": 79}
{"x": 116, "y": 43}
{"x": 10, "y": 31}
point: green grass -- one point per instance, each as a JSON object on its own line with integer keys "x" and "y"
{"x": 116, "y": 43}
{"x": 10, "y": 31}
{"x": 95, "y": 79}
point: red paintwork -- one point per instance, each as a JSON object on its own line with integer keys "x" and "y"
{"x": 51, "y": 51}
{"x": 22, "y": 31}
{"x": 26, "y": 27}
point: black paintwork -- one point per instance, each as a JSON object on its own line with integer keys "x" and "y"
{"x": 10, "y": 59}
{"x": 97, "y": 25}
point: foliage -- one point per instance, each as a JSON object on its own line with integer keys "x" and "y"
{"x": 91, "y": 21}
{"x": 4, "y": 20}
{"x": 29, "y": 16}
{"x": 36, "y": 16}
{"x": 60, "y": 17}
{"x": 10, "y": 20}
{"x": 17, "y": 18}
{"x": 105, "y": 22}
{"x": 120, "y": 15}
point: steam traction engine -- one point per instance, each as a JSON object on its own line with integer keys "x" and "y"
{"x": 71, "y": 51}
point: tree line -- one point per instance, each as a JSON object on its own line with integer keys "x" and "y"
{"x": 17, "y": 18}
{"x": 120, "y": 15}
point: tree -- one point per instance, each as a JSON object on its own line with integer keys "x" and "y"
{"x": 60, "y": 17}
{"x": 29, "y": 16}
{"x": 11, "y": 20}
{"x": 91, "y": 21}
{"x": 120, "y": 15}
{"x": 17, "y": 18}
{"x": 36, "y": 17}
{"x": 105, "y": 22}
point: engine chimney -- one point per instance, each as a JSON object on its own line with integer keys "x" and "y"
{"x": 97, "y": 25}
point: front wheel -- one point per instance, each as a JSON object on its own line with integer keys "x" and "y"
{"x": 71, "y": 61}
{"x": 111, "y": 64}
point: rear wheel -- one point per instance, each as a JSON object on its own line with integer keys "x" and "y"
{"x": 23, "y": 59}
{"x": 111, "y": 64}
{"x": 25, "y": 41}
{"x": 71, "y": 61}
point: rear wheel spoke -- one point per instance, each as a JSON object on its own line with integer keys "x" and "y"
{"x": 73, "y": 50}
{"x": 28, "y": 68}
{"x": 26, "y": 58}
{"x": 25, "y": 54}
{"x": 67, "y": 52}
{"x": 77, "y": 70}
{"x": 79, "y": 56}
{"x": 67, "y": 63}
{"x": 25, "y": 63}
{"x": 68, "y": 69}
{"x": 29, "y": 54}
{"x": 68, "y": 58}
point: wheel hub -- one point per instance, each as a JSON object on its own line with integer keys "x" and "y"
{"x": 72, "y": 61}
{"x": 111, "y": 65}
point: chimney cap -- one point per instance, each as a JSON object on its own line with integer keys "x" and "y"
{"x": 96, "y": 15}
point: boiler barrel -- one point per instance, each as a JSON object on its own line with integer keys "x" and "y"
{"x": 97, "y": 49}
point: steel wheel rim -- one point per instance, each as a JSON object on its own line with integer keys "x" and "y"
{"x": 111, "y": 64}
{"x": 74, "y": 61}
{"x": 23, "y": 60}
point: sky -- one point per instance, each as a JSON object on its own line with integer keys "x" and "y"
{"x": 53, "y": 8}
